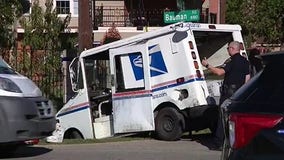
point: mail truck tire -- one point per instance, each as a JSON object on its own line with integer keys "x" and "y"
{"x": 73, "y": 134}
{"x": 168, "y": 124}
{"x": 76, "y": 135}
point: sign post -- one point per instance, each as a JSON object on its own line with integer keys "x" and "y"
{"x": 185, "y": 16}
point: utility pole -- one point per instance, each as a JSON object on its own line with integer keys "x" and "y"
{"x": 222, "y": 12}
{"x": 85, "y": 25}
{"x": 85, "y": 35}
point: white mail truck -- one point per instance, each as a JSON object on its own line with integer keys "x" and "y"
{"x": 152, "y": 82}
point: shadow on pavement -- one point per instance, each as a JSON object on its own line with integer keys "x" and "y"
{"x": 204, "y": 139}
{"x": 25, "y": 151}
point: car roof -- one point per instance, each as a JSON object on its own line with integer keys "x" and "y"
{"x": 273, "y": 57}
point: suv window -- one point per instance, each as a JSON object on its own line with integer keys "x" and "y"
{"x": 266, "y": 87}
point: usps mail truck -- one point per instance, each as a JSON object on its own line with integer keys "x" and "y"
{"x": 152, "y": 82}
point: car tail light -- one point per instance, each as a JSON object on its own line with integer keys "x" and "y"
{"x": 243, "y": 127}
{"x": 32, "y": 142}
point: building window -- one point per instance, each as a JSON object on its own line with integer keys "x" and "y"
{"x": 27, "y": 6}
{"x": 75, "y": 7}
{"x": 62, "y": 7}
{"x": 213, "y": 18}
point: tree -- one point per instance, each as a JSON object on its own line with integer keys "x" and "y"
{"x": 43, "y": 27}
{"x": 44, "y": 35}
{"x": 259, "y": 19}
{"x": 11, "y": 10}
{"x": 270, "y": 17}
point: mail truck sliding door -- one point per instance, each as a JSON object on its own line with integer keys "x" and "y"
{"x": 131, "y": 93}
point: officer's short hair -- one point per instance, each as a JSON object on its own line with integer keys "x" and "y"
{"x": 236, "y": 44}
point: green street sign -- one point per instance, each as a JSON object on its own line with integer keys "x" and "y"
{"x": 185, "y": 16}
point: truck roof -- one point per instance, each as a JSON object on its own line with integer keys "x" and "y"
{"x": 162, "y": 31}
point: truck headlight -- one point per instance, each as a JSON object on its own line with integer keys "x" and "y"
{"x": 8, "y": 85}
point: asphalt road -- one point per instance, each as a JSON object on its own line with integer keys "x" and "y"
{"x": 147, "y": 149}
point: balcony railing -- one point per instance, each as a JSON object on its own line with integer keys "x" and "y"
{"x": 105, "y": 16}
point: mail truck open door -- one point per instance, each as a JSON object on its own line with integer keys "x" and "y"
{"x": 131, "y": 93}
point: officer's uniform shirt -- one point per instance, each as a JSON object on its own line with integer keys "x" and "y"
{"x": 236, "y": 69}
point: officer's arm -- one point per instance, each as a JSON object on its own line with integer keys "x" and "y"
{"x": 216, "y": 70}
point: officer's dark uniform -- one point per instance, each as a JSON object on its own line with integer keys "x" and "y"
{"x": 236, "y": 68}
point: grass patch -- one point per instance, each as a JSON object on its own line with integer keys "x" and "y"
{"x": 143, "y": 136}
{"x": 105, "y": 140}
{"x": 204, "y": 131}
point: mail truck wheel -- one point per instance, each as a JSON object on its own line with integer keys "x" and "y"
{"x": 168, "y": 124}
{"x": 73, "y": 134}
{"x": 76, "y": 135}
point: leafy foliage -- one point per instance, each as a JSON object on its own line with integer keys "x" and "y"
{"x": 10, "y": 11}
{"x": 271, "y": 20}
{"x": 260, "y": 19}
{"x": 43, "y": 27}
{"x": 111, "y": 35}
{"x": 43, "y": 39}
{"x": 44, "y": 36}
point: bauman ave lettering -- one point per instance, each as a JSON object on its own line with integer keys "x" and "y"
{"x": 185, "y": 16}
{"x": 181, "y": 17}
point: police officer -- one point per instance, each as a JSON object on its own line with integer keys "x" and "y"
{"x": 236, "y": 73}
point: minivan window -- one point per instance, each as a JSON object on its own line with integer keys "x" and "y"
{"x": 5, "y": 69}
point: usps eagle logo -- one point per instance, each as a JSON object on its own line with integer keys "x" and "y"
{"x": 157, "y": 63}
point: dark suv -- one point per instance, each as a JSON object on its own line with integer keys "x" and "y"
{"x": 254, "y": 115}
